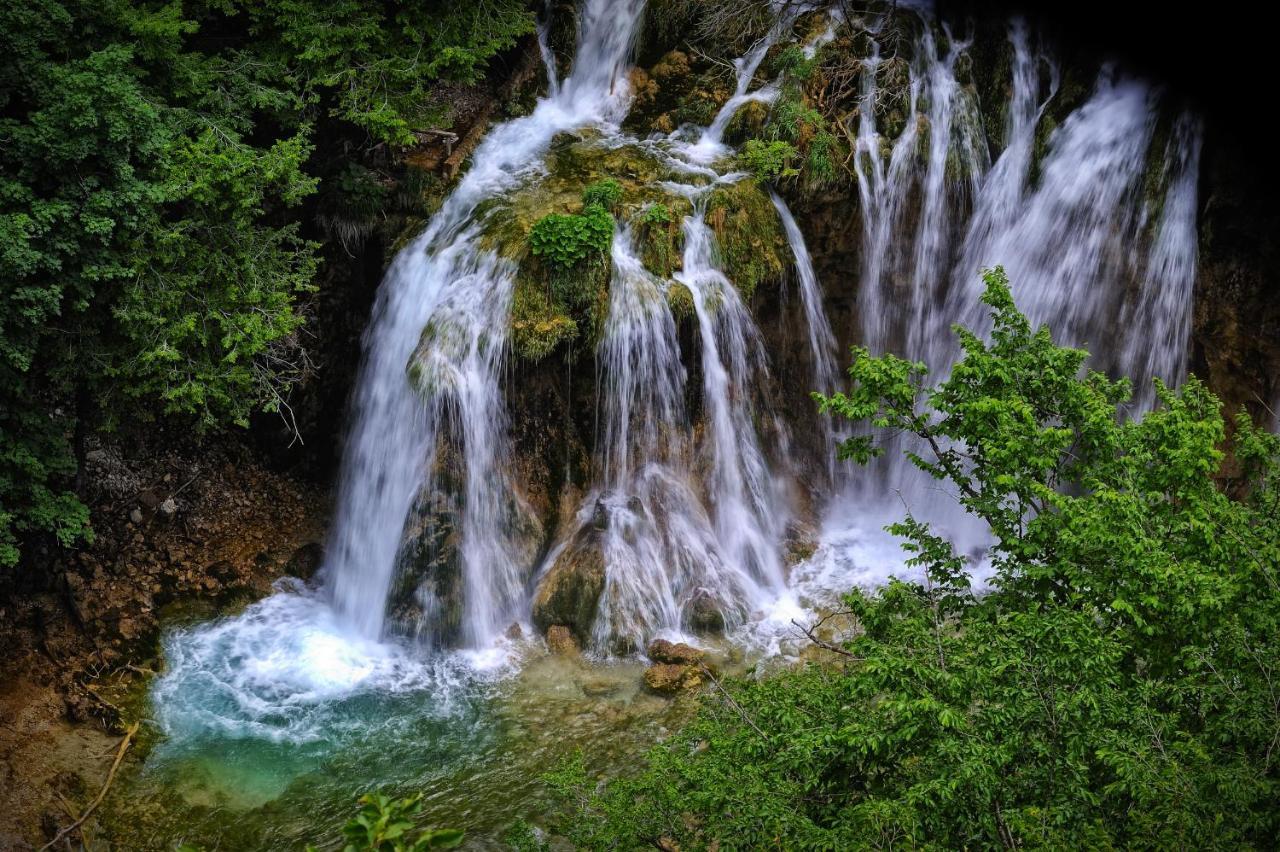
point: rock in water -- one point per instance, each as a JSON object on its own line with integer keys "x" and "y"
{"x": 560, "y": 641}
{"x": 570, "y": 592}
{"x": 705, "y": 613}
{"x": 670, "y": 678}
{"x": 675, "y": 653}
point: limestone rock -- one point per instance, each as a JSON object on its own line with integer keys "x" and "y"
{"x": 560, "y": 641}
{"x": 569, "y": 593}
{"x": 675, "y": 653}
{"x": 705, "y": 614}
{"x": 670, "y": 678}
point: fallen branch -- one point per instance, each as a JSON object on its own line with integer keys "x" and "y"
{"x": 111, "y": 776}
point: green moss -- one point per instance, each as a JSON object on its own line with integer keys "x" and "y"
{"x": 537, "y": 327}
{"x": 752, "y": 245}
{"x": 1155, "y": 175}
{"x": 1072, "y": 92}
{"x": 680, "y": 300}
{"x": 749, "y": 122}
{"x": 604, "y": 193}
{"x": 657, "y": 236}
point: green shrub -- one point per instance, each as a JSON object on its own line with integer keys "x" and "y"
{"x": 656, "y": 213}
{"x": 768, "y": 160}
{"x": 1114, "y": 688}
{"x": 564, "y": 240}
{"x": 603, "y": 193}
{"x": 383, "y": 823}
{"x": 820, "y": 165}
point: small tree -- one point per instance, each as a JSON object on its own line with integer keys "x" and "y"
{"x": 1114, "y": 687}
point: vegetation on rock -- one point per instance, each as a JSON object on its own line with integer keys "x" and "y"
{"x": 749, "y": 235}
{"x": 564, "y": 240}
{"x": 768, "y": 161}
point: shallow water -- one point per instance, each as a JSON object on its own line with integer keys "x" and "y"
{"x": 474, "y": 742}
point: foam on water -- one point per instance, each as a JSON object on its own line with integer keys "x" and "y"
{"x": 282, "y": 670}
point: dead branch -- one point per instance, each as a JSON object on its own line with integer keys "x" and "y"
{"x": 734, "y": 704}
{"x": 822, "y": 643}
{"x": 111, "y": 776}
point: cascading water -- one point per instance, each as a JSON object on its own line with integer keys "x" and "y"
{"x": 429, "y": 384}
{"x": 1157, "y": 324}
{"x": 822, "y": 342}
{"x": 445, "y": 282}
{"x": 1070, "y": 238}
{"x": 692, "y": 494}
{"x": 749, "y": 511}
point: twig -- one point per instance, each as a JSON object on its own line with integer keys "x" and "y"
{"x": 821, "y": 643}
{"x": 111, "y": 776}
{"x": 734, "y": 704}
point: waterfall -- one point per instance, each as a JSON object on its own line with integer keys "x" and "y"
{"x": 446, "y": 282}
{"x": 749, "y": 510}
{"x": 1157, "y": 325}
{"x": 1005, "y": 187}
{"x": 822, "y": 342}
{"x": 544, "y": 50}
{"x": 1067, "y": 249}
{"x": 659, "y": 545}
{"x": 691, "y": 497}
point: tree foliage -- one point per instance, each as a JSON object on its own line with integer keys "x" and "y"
{"x": 153, "y": 172}
{"x": 1114, "y": 687}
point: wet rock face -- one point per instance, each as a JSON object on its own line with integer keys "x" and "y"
{"x": 704, "y": 613}
{"x": 569, "y": 594}
{"x": 1236, "y": 324}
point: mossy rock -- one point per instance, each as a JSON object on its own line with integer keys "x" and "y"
{"x": 569, "y": 593}
{"x": 537, "y": 327}
{"x": 680, "y": 300}
{"x": 753, "y": 247}
{"x": 552, "y": 306}
{"x": 1073, "y": 90}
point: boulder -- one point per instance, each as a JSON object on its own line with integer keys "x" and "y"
{"x": 670, "y": 678}
{"x": 560, "y": 641}
{"x": 305, "y": 561}
{"x": 704, "y": 613}
{"x": 675, "y": 653}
